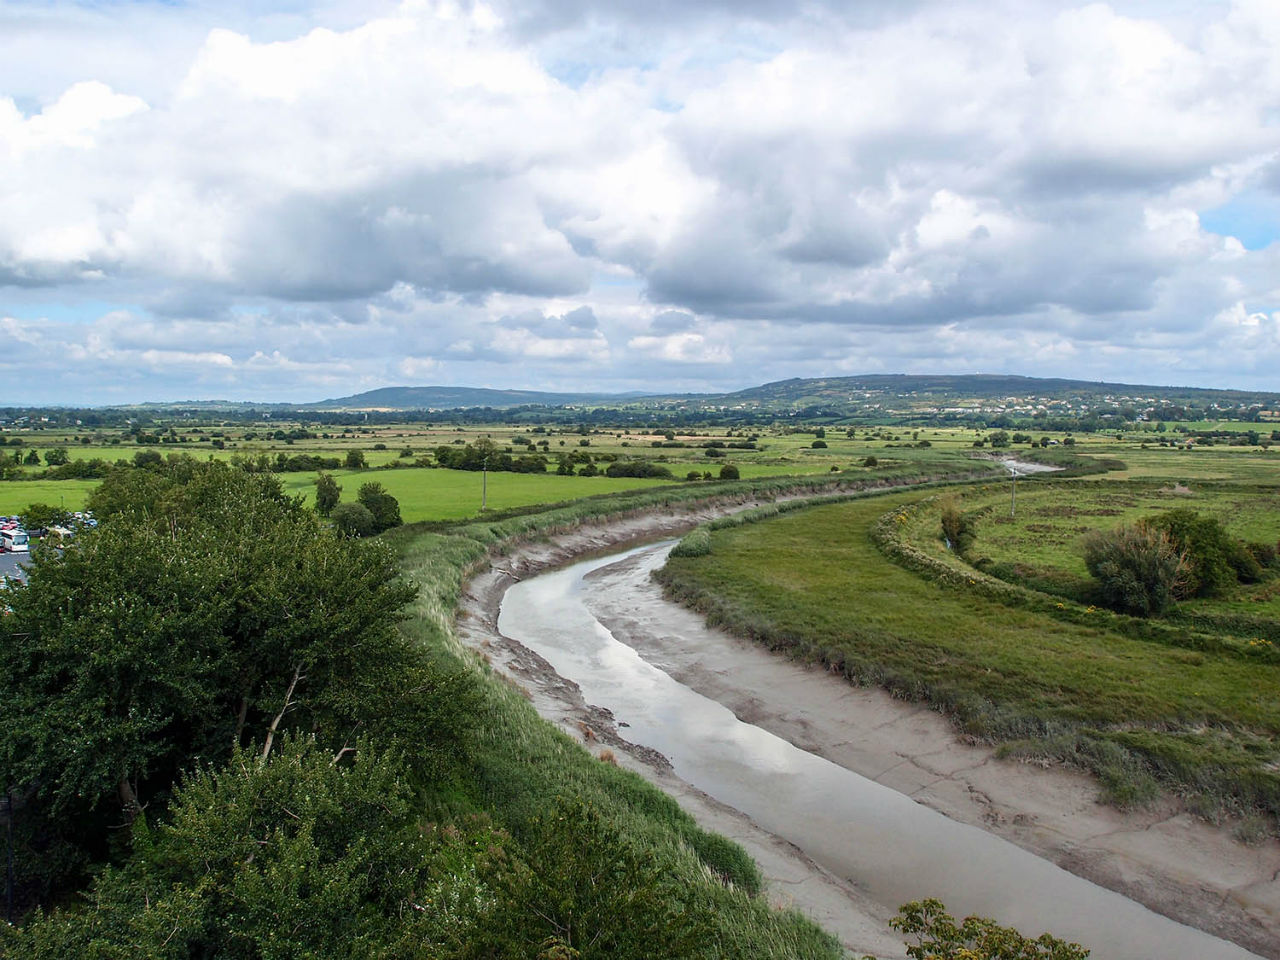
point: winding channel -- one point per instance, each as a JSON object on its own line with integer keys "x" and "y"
{"x": 881, "y": 841}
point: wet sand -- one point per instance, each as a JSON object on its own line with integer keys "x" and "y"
{"x": 1162, "y": 857}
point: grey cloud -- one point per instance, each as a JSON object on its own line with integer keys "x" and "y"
{"x": 672, "y": 321}
{"x": 455, "y": 232}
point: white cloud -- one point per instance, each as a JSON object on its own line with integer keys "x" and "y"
{"x": 682, "y": 348}
{"x": 438, "y": 189}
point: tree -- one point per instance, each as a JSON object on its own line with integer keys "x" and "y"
{"x": 355, "y": 460}
{"x": 383, "y": 506}
{"x": 353, "y": 520}
{"x": 338, "y": 874}
{"x": 226, "y": 611}
{"x": 32, "y": 459}
{"x": 57, "y": 457}
{"x": 41, "y": 516}
{"x": 939, "y": 937}
{"x": 1139, "y": 568}
{"x": 1217, "y": 560}
{"x": 328, "y": 493}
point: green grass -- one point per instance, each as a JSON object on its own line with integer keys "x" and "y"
{"x": 427, "y": 494}
{"x": 17, "y": 495}
{"x": 814, "y": 583}
{"x": 1042, "y": 543}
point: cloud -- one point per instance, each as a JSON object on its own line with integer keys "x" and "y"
{"x": 539, "y": 193}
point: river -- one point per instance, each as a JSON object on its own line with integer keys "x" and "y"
{"x": 878, "y": 839}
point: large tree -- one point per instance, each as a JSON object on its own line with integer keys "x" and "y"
{"x": 328, "y": 493}
{"x": 214, "y": 614}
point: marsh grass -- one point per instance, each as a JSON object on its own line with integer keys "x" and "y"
{"x": 1196, "y": 713}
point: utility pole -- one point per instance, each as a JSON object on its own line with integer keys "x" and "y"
{"x": 484, "y": 485}
{"x": 1013, "y": 494}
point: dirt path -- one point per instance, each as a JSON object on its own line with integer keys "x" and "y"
{"x": 1161, "y": 857}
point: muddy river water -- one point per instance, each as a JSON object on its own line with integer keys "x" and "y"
{"x": 882, "y": 842}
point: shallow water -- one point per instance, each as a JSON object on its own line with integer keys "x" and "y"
{"x": 890, "y": 847}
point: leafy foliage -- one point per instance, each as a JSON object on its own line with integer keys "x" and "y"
{"x": 291, "y": 855}
{"x": 1217, "y": 560}
{"x": 222, "y": 614}
{"x": 939, "y": 937}
{"x": 1139, "y": 569}
{"x": 384, "y": 508}
{"x": 328, "y": 493}
{"x": 353, "y": 520}
{"x": 961, "y": 531}
{"x": 39, "y": 516}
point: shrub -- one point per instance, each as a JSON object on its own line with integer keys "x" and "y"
{"x": 638, "y": 468}
{"x": 940, "y": 937}
{"x": 731, "y": 472}
{"x": 819, "y": 445}
{"x": 696, "y": 543}
{"x": 1217, "y": 560}
{"x": 39, "y": 516}
{"x": 352, "y": 519}
{"x": 1139, "y": 568}
{"x": 960, "y": 531}
{"x": 382, "y": 506}
{"x": 870, "y": 462}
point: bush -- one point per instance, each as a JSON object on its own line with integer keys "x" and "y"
{"x": 940, "y": 937}
{"x": 697, "y": 543}
{"x": 40, "y": 516}
{"x": 819, "y": 445}
{"x": 960, "y": 531}
{"x": 352, "y": 519}
{"x": 1139, "y": 568}
{"x": 731, "y": 472}
{"x": 637, "y": 468}
{"x": 382, "y": 506}
{"x": 870, "y": 462}
{"x": 1217, "y": 560}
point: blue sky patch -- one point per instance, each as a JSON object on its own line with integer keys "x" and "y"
{"x": 1251, "y": 217}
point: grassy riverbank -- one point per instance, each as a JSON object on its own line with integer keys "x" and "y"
{"x": 521, "y": 771}
{"x": 1138, "y": 712}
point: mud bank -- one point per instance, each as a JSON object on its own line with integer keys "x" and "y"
{"x": 1162, "y": 858}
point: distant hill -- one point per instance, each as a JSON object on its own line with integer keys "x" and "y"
{"x": 452, "y": 398}
{"x": 977, "y": 385}
{"x": 868, "y": 394}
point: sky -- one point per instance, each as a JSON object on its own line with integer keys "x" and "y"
{"x": 299, "y": 200}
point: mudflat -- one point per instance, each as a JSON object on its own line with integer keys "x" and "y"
{"x": 1162, "y": 857}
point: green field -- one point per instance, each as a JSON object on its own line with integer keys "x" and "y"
{"x": 1134, "y": 711}
{"x": 1042, "y": 543}
{"x": 427, "y": 494}
{"x": 782, "y": 449}
{"x": 17, "y": 495}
